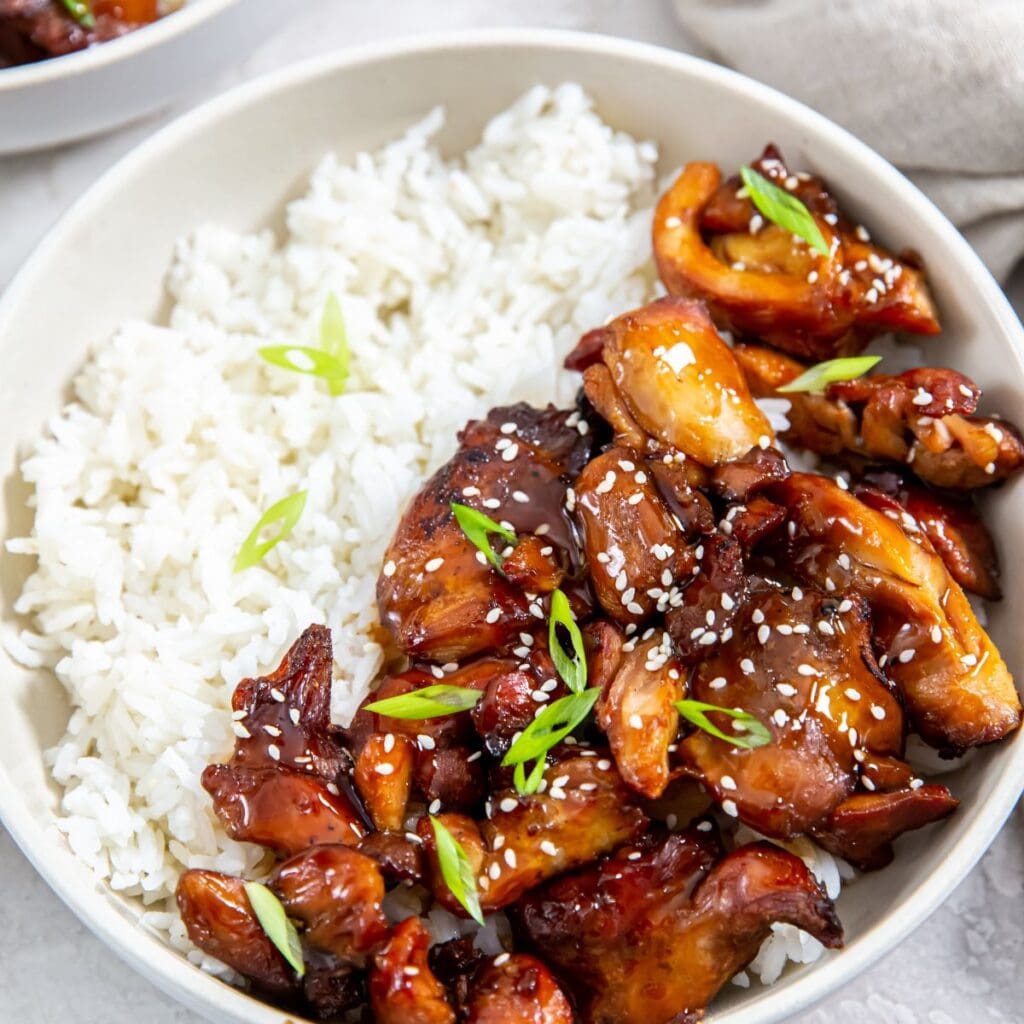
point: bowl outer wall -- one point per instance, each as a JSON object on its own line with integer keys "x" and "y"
{"x": 237, "y": 159}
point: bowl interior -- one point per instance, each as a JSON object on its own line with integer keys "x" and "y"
{"x": 239, "y": 159}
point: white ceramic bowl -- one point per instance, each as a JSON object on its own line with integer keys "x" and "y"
{"x": 85, "y": 93}
{"x": 237, "y": 159}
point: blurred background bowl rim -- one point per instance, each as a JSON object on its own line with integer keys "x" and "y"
{"x": 136, "y": 43}
{"x": 45, "y": 848}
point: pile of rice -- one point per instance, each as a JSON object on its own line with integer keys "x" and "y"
{"x": 463, "y": 282}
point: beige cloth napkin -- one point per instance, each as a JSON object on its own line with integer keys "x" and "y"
{"x": 936, "y": 86}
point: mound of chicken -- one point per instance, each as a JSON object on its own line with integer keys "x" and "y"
{"x": 617, "y": 633}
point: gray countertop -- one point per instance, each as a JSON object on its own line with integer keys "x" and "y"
{"x": 964, "y": 966}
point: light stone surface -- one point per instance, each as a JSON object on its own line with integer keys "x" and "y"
{"x": 964, "y": 966}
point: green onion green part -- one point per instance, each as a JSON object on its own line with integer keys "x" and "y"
{"x": 783, "y": 208}
{"x": 429, "y": 702}
{"x": 456, "y": 870}
{"x": 547, "y": 730}
{"x": 818, "y": 377}
{"x": 334, "y": 342}
{"x": 478, "y": 527}
{"x": 695, "y": 712}
{"x": 573, "y": 670}
{"x": 81, "y": 11}
{"x": 311, "y": 361}
{"x": 284, "y": 514}
{"x": 274, "y": 921}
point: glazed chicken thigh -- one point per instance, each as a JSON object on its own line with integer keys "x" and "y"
{"x": 620, "y": 638}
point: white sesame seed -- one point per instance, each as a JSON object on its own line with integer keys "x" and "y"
{"x": 807, "y": 670}
{"x": 604, "y": 764}
{"x": 916, "y": 783}
{"x": 727, "y": 782}
{"x": 852, "y": 693}
{"x": 277, "y": 695}
{"x": 936, "y": 634}
{"x": 708, "y": 638}
{"x": 907, "y": 656}
{"x": 746, "y": 666}
{"x": 757, "y": 616}
{"x": 786, "y": 689}
{"x": 763, "y": 633}
{"x": 384, "y": 768}
{"x": 718, "y": 683}
{"x": 509, "y": 454}
{"x": 634, "y": 609}
{"x": 729, "y": 806}
{"x": 493, "y": 615}
{"x": 780, "y": 717}
{"x": 274, "y": 751}
{"x": 389, "y": 743}
{"x": 510, "y": 857}
{"x": 635, "y": 499}
{"x": 521, "y": 496}
{"x": 969, "y": 660}
{"x": 636, "y": 722}
{"x": 877, "y": 712}
{"x": 434, "y": 564}
{"x": 389, "y": 568}
{"x": 240, "y": 731}
{"x": 508, "y": 804}
{"x": 435, "y": 806}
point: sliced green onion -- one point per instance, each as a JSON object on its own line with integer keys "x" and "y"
{"x": 456, "y": 870}
{"x": 695, "y": 712}
{"x": 334, "y": 341}
{"x": 547, "y": 730}
{"x": 311, "y": 361}
{"x": 529, "y": 785}
{"x": 274, "y": 921}
{"x": 478, "y": 527}
{"x": 572, "y": 670}
{"x": 81, "y": 11}
{"x": 429, "y": 702}
{"x": 285, "y": 514}
{"x": 818, "y": 377}
{"x": 783, "y": 208}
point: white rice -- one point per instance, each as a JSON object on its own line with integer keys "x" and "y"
{"x": 463, "y": 282}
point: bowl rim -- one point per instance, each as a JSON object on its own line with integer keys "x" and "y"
{"x": 46, "y": 849}
{"x": 133, "y": 44}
